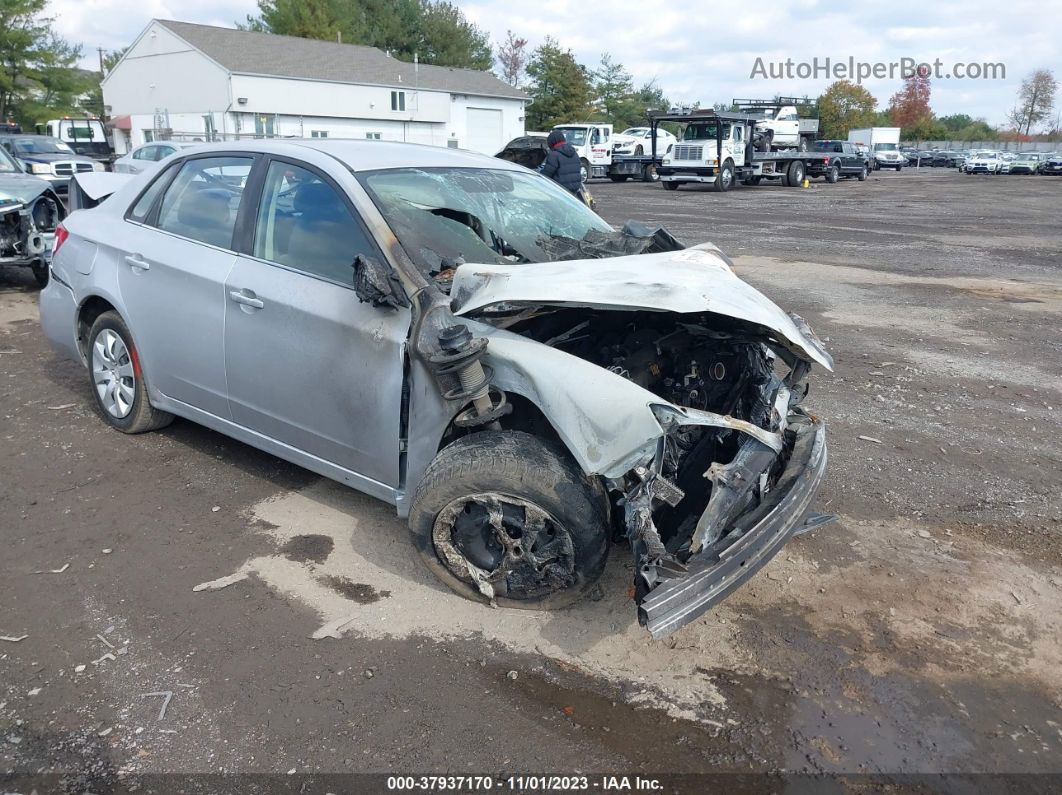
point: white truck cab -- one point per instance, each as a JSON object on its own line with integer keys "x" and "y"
{"x": 593, "y": 142}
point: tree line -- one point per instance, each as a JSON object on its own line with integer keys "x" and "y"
{"x": 40, "y": 77}
{"x": 845, "y": 106}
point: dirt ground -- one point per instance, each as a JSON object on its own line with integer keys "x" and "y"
{"x": 296, "y": 631}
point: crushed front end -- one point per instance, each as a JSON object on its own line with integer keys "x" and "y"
{"x": 737, "y": 465}
{"x": 27, "y": 228}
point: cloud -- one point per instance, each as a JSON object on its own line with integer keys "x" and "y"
{"x": 704, "y": 52}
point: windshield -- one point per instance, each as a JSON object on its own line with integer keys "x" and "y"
{"x": 576, "y": 136}
{"x": 701, "y": 132}
{"x": 636, "y": 132}
{"x": 41, "y": 146}
{"x": 443, "y": 216}
{"x": 988, "y": 155}
{"x": 885, "y": 147}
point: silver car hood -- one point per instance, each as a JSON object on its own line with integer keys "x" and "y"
{"x": 697, "y": 279}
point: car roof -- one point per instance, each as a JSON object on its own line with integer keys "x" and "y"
{"x": 365, "y": 155}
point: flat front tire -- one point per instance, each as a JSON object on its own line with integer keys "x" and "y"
{"x": 117, "y": 379}
{"x": 507, "y": 517}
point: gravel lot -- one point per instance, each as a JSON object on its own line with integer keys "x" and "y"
{"x": 921, "y": 633}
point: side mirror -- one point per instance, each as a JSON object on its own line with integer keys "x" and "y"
{"x": 376, "y": 284}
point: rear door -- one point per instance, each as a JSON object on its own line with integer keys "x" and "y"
{"x": 308, "y": 364}
{"x": 171, "y": 275}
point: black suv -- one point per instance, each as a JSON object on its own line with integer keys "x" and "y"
{"x": 840, "y": 159}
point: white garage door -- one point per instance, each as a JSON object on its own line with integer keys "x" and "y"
{"x": 484, "y": 131}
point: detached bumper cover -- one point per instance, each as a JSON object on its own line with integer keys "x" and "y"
{"x": 757, "y": 537}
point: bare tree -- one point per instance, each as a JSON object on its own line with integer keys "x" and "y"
{"x": 1036, "y": 100}
{"x": 512, "y": 59}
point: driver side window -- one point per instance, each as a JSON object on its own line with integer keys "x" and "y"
{"x": 304, "y": 224}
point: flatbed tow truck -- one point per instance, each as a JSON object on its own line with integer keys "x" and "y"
{"x": 718, "y": 148}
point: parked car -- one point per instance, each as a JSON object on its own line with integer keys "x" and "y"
{"x": 1026, "y": 163}
{"x": 48, "y": 158}
{"x": 920, "y": 157}
{"x": 528, "y": 150}
{"x": 1006, "y": 158}
{"x": 849, "y": 161}
{"x": 984, "y": 163}
{"x": 638, "y": 141}
{"x": 947, "y": 159}
{"x": 503, "y": 378}
{"x": 1052, "y": 165}
{"x": 146, "y": 155}
{"x": 30, "y": 210}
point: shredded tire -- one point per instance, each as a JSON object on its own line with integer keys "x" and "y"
{"x": 523, "y": 466}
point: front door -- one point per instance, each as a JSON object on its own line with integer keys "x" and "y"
{"x": 172, "y": 268}
{"x": 308, "y": 364}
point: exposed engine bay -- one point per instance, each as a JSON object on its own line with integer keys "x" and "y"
{"x": 26, "y": 229}
{"x": 683, "y": 502}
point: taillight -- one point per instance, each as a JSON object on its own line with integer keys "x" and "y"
{"x": 60, "y": 237}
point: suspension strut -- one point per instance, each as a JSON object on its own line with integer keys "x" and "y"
{"x": 460, "y": 359}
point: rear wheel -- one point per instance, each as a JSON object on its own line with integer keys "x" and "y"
{"x": 618, "y": 177}
{"x": 794, "y": 175}
{"x": 505, "y": 516}
{"x": 118, "y": 383}
{"x": 649, "y": 173}
{"x": 863, "y": 174}
{"x": 833, "y": 173}
{"x": 671, "y": 186}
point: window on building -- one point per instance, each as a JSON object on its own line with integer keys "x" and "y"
{"x": 149, "y": 136}
{"x": 451, "y": 143}
{"x": 318, "y": 133}
{"x": 373, "y": 136}
{"x": 303, "y": 223}
{"x": 264, "y": 126}
{"x": 398, "y": 100}
{"x": 202, "y": 201}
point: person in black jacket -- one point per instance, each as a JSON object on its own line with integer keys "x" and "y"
{"x": 562, "y": 163}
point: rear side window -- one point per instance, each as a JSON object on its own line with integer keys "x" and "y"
{"x": 202, "y": 201}
{"x": 144, "y": 153}
{"x": 143, "y": 205}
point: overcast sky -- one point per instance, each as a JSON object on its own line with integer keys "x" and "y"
{"x": 700, "y": 51}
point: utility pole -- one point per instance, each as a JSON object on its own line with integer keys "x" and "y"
{"x": 103, "y": 108}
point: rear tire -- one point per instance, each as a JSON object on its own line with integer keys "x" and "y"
{"x": 833, "y": 174}
{"x": 863, "y": 174}
{"x": 618, "y": 177}
{"x": 518, "y": 509}
{"x": 671, "y": 185}
{"x": 649, "y": 174}
{"x": 117, "y": 379}
{"x": 794, "y": 175}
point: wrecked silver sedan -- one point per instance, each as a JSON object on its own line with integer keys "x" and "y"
{"x": 462, "y": 338}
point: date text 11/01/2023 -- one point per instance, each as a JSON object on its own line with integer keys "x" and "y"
{"x": 522, "y": 783}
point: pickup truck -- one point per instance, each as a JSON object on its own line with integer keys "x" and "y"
{"x": 778, "y": 123}
{"x": 845, "y": 160}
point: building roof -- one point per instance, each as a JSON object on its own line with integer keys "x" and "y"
{"x": 248, "y": 52}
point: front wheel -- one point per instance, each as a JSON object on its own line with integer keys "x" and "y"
{"x": 803, "y": 145}
{"x": 618, "y": 177}
{"x": 671, "y": 186}
{"x": 117, "y": 379}
{"x": 725, "y": 178}
{"x": 505, "y": 517}
{"x": 863, "y": 174}
{"x": 584, "y": 170}
{"x": 638, "y": 150}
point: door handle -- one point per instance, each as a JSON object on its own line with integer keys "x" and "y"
{"x": 241, "y": 297}
{"x": 135, "y": 261}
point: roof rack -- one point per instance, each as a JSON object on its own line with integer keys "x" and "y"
{"x": 772, "y": 103}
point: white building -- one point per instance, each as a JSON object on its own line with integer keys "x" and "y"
{"x": 197, "y": 82}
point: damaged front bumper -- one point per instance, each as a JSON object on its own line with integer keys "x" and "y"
{"x": 753, "y": 539}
